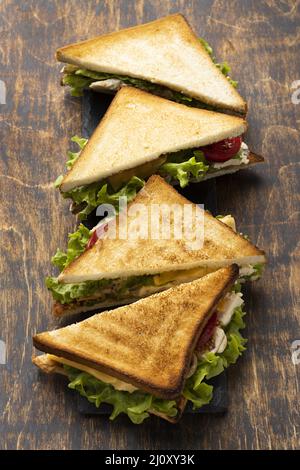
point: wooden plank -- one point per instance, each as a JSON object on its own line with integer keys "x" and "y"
{"x": 260, "y": 40}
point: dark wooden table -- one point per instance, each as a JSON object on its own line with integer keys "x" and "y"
{"x": 260, "y": 39}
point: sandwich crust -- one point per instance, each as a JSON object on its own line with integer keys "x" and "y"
{"x": 148, "y": 344}
{"x": 165, "y": 51}
{"x": 48, "y": 365}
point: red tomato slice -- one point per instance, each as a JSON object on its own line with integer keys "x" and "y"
{"x": 92, "y": 240}
{"x": 96, "y": 234}
{"x": 207, "y": 332}
{"x": 223, "y": 150}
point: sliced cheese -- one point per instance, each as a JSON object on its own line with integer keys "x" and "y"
{"x": 144, "y": 291}
{"x": 142, "y": 171}
{"x": 229, "y": 221}
{"x": 194, "y": 273}
{"x": 184, "y": 275}
{"x": 116, "y": 383}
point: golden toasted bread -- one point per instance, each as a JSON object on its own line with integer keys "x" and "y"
{"x": 138, "y": 128}
{"x": 166, "y": 52}
{"x": 134, "y": 257}
{"x": 48, "y": 365}
{"x": 148, "y": 344}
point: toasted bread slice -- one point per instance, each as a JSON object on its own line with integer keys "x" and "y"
{"x": 138, "y": 128}
{"x": 166, "y": 52}
{"x": 134, "y": 257}
{"x": 148, "y": 344}
{"x": 48, "y": 365}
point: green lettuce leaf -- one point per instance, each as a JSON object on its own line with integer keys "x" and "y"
{"x": 200, "y": 395}
{"x": 72, "y": 156}
{"x": 237, "y": 287}
{"x": 67, "y": 293}
{"x": 77, "y": 243}
{"x": 79, "y": 83}
{"x": 76, "y": 83}
{"x": 259, "y": 269}
{"x": 181, "y": 169}
{"x": 58, "y": 181}
{"x": 167, "y": 407}
{"x": 210, "y": 365}
{"x": 235, "y": 341}
{"x": 136, "y": 281}
{"x": 256, "y": 274}
{"x": 136, "y": 404}
{"x": 98, "y": 76}
{"x": 223, "y": 67}
{"x": 93, "y": 195}
{"x": 207, "y": 47}
{"x": 81, "y": 79}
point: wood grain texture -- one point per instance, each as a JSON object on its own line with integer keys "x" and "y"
{"x": 260, "y": 39}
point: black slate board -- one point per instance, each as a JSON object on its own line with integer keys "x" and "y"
{"x": 94, "y": 107}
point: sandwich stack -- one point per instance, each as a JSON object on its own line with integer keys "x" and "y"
{"x": 176, "y": 119}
